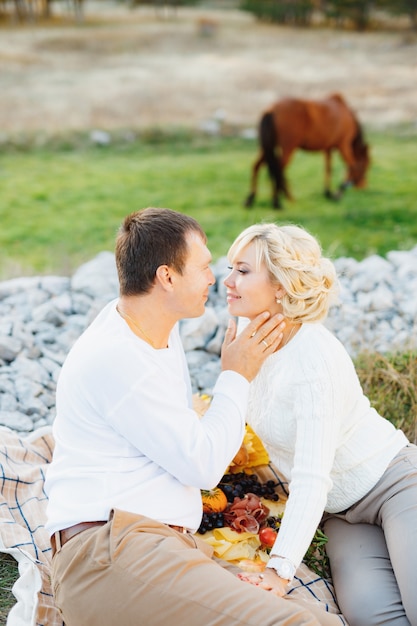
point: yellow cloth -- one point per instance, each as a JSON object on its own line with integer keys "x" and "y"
{"x": 256, "y": 453}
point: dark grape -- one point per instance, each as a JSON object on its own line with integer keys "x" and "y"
{"x": 210, "y": 521}
{"x": 237, "y": 485}
{"x": 274, "y": 522}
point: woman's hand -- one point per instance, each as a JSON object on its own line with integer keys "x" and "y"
{"x": 268, "y": 580}
{"x": 246, "y": 352}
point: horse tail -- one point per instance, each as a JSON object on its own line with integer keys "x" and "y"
{"x": 268, "y": 138}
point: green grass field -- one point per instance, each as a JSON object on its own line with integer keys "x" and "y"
{"x": 62, "y": 204}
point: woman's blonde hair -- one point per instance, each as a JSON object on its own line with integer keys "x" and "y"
{"x": 294, "y": 260}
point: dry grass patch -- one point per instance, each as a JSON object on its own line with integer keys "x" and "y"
{"x": 390, "y": 382}
{"x": 8, "y": 575}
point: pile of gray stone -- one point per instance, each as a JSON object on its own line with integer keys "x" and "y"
{"x": 41, "y": 317}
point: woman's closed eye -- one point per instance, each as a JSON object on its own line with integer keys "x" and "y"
{"x": 240, "y": 270}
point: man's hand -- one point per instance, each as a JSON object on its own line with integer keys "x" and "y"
{"x": 246, "y": 352}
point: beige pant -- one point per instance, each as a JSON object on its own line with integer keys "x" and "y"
{"x": 134, "y": 571}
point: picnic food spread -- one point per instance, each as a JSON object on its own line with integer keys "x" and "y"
{"x": 247, "y": 500}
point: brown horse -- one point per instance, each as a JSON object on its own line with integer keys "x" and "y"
{"x": 313, "y": 125}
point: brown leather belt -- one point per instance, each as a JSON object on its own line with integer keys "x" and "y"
{"x": 68, "y": 533}
{"x": 179, "y": 529}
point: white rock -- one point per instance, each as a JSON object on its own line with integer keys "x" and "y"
{"x": 196, "y": 332}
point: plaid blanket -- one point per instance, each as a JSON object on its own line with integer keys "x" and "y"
{"x": 23, "y": 464}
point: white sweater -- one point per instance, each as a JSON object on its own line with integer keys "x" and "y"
{"x": 126, "y": 435}
{"x": 320, "y": 431}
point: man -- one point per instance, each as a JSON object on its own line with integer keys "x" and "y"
{"x": 131, "y": 455}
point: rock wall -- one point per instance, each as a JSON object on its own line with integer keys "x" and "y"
{"x": 41, "y": 317}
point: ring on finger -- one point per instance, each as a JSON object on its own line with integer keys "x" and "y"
{"x": 265, "y": 342}
{"x": 261, "y": 576}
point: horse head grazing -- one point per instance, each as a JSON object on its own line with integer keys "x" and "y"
{"x": 358, "y": 170}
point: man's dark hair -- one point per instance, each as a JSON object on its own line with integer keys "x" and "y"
{"x": 150, "y": 238}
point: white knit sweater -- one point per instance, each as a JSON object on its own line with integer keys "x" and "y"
{"x": 320, "y": 431}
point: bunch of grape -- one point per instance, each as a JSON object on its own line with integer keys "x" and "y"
{"x": 210, "y": 521}
{"x": 237, "y": 485}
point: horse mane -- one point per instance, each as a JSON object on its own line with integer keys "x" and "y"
{"x": 359, "y": 145}
{"x": 339, "y": 98}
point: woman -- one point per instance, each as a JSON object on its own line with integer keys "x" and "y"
{"x": 345, "y": 464}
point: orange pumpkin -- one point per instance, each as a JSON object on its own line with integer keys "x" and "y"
{"x": 214, "y": 500}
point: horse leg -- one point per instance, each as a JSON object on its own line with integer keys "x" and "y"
{"x": 276, "y": 201}
{"x": 347, "y": 155}
{"x": 281, "y": 184}
{"x": 328, "y": 176}
{"x": 255, "y": 169}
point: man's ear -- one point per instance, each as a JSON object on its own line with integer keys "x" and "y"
{"x": 164, "y": 276}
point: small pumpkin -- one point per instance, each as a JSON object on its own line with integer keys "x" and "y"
{"x": 214, "y": 500}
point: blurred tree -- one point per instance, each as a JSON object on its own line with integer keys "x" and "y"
{"x": 341, "y": 13}
{"x": 32, "y": 10}
{"x": 297, "y": 12}
{"x": 162, "y": 3}
{"x": 355, "y": 11}
{"x": 401, "y": 7}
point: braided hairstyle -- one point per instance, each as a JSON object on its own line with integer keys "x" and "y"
{"x": 294, "y": 260}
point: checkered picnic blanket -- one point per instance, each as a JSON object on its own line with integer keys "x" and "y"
{"x": 23, "y": 465}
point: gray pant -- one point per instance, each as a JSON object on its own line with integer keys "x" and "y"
{"x": 134, "y": 571}
{"x": 372, "y": 549}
